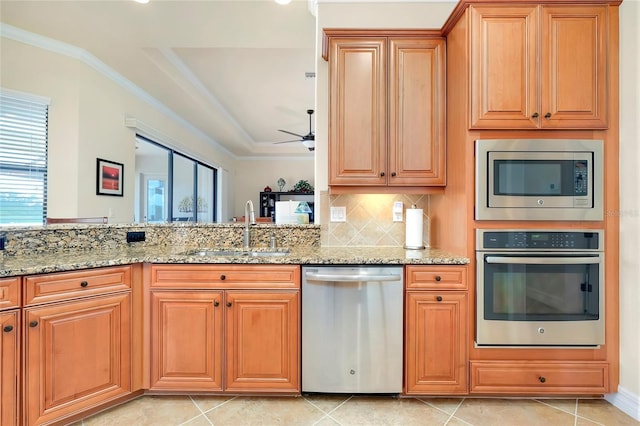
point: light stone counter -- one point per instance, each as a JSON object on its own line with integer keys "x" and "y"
{"x": 26, "y": 264}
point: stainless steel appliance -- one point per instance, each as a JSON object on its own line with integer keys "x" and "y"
{"x": 539, "y": 179}
{"x": 352, "y": 329}
{"x": 540, "y": 287}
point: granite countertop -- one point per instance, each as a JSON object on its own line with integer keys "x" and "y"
{"x": 68, "y": 261}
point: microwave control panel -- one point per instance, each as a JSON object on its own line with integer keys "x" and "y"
{"x": 580, "y": 178}
{"x": 544, "y": 240}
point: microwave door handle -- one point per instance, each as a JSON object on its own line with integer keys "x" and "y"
{"x": 543, "y": 260}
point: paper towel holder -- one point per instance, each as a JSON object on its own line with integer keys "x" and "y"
{"x": 414, "y": 247}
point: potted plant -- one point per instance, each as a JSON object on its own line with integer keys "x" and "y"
{"x": 303, "y": 186}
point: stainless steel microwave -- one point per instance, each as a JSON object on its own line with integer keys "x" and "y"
{"x": 539, "y": 179}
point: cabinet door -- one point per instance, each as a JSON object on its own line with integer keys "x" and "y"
{"x": 77, "y": 355}
{"x": 262, "y": 335}
{"x": 416, "y": 112}
{"x": 357, "y": 111}
{"x": 504, "y": 67}
{"x": 9, "y": 365}
{"x": 574, "y": 67}
{"x": 186, "y": 340}
{"x": 436, "y": 342}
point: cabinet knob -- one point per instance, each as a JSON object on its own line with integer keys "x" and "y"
{"x": 223, "y": 277}
{"x": 393, "y": 174}
{"x": 542, "y": 379}
{"x": 438, "y": 278}
{"x": 535, "y": 115}
{"x": 33, "y": 323}
{"x": 84, "y": 284}
{"x": 381, "y": 174}
{"x": 439, "y": 298}
{"x": 547, "y": 115}
{"x": 228, "y": 304}
{"x": 7, "y": 328}
{"x": 216, "y": 303}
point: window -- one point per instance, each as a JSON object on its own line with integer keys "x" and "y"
{"x": 23, "y": 160}
{"x": 168, "y": 182}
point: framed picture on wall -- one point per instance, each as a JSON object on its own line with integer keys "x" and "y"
{"x": 110, "y": 177}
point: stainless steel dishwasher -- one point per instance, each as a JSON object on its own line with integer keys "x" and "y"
{"x": 352, "y": 330}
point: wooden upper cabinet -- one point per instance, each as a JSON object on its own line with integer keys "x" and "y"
{"x": 357, "y": 112}
{"x": 416, "y": 112}
{"x": 538, "y": 67}
{"x": 386, "y": 102}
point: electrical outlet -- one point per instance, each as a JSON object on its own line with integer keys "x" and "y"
{"x": 397, "y": 211}
{"x": 338, "y": 214}
{"x": 135, "y": 236}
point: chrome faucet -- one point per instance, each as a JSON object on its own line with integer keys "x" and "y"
{"x": 249, "y": 218}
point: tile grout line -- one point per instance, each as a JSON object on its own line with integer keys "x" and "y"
{"x": 454, "y": 413}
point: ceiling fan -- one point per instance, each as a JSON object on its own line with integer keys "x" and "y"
{"x": 307, "y": 140}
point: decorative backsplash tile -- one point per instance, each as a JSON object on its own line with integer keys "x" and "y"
{"x": 369, "y": 219}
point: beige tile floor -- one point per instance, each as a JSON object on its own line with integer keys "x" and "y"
{"x": 326, "y": 410}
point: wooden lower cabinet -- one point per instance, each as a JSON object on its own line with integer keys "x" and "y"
{"x": 9, "y": 367}
{"x": 535, "y": 377}
{"x": 262, "y": 341}
{"x": 77, "y": 355}
{"x": 206, "y": 336}
{"x": 186, "y": 340}
{"x": 436, "y": 342}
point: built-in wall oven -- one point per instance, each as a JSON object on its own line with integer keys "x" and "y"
{"x": 540, "y": 287}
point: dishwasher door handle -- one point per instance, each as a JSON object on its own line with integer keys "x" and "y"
{"x": 312, "y": 276}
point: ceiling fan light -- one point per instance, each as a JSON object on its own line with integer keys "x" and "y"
{"x": 283, "y": 1}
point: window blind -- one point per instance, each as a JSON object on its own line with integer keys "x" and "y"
{"x": 23, "y": 161}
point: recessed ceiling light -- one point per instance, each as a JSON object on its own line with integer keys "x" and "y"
{"x": 283, "y": 1}
{"x": 142, "y": 1}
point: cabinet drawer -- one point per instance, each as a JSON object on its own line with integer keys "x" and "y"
{"x": 436, "y": 277}
{"x": 525, "y": 377}
{"x": 9, "y": 293}
{"x": 65, "y": 285}
{"x": 225, "y": 276}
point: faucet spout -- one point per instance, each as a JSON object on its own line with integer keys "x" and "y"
{"x": 249, "y": 219}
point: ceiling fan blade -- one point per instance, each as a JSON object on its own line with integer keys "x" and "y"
{"x": 291, "y": 133}
{"x": 297, "y": 140}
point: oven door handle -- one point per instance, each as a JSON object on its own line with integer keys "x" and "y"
{"x": 543, "y": 260}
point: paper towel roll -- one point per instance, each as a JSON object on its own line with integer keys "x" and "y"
{"x": 413, "y": 237}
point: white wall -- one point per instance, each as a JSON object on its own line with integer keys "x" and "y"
{"x": 87, "y": 121}
{"x": 629, "y": 390}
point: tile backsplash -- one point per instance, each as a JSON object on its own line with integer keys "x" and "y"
{"x": 369, "y": 219}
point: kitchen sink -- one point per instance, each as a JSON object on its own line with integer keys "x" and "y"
{"x": 237, "y": 252}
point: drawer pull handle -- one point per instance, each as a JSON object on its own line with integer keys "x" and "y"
{"x": 438, "y": 278}
{"x": 542, "y": 379}
{"x": 439, "y": 298}
{"x": 84, "y": 284}
{"x": 33, "y": 323}
{"x": 228, "y": 304}
{"x": 223, "y": 277}
{"x": 8, "y": 328}
{"x": 216, "y": 303}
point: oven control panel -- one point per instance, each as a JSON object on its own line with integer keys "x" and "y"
{"x": 539, "y": 240}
